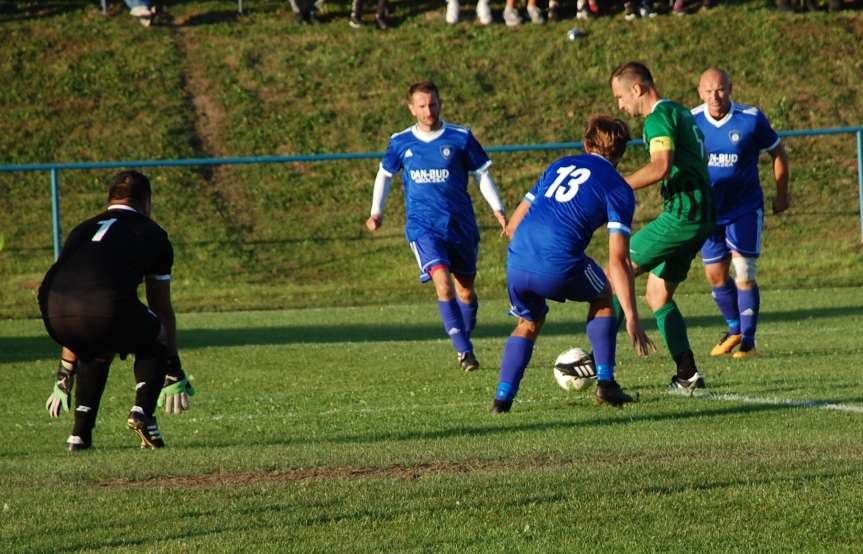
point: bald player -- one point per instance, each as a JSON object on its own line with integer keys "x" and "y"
{"x": 735, "y": 135}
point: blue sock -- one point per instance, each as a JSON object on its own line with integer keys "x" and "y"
{"x": 516, "y": 355}
{"x": 602, "y": 331}
{"x": 468, "y": 314}
{"x": 453, "y": 325}
{"x": 749, "y": 301}
{"x": 726, "y": 299}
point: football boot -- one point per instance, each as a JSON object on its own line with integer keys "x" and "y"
{"x": 609, "y": 392}
{"x": 687, "y": 387}
{"x": 726, "y": 344}
{"x": 75, "y": 444}
{"x": 746, "y": 351}
{"x": 147, "y": 429}
{"x": 468, "y": 361}
{"x": 500, "y": 406}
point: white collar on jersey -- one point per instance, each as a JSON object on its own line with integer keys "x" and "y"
{"x": 428, "y": 137}
{"x": 122, "y": 207}
{"x": 719, "y": 122}
{"x": 658, "y": 102}
{"x": 598, "y": 156}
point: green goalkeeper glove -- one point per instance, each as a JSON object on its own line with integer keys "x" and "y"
{"x": 176, "y": 391}
{"x": 59, "y": 399}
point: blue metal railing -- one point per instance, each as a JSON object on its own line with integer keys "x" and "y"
{"x": 54, "y": 168}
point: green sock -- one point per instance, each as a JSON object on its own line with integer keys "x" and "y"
{"x": 671, "y": 326}
{"x": 618, "y": 311}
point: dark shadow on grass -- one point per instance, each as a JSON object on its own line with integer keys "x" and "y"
{"x": 25, "y": 11}
{"x": 16, "y": 349}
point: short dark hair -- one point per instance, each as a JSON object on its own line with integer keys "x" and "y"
{"x": 132, "y": 187}
{"x": 427, "y": 87}
{"x": 633, "y": 72}
{"x": 607, "y": 136}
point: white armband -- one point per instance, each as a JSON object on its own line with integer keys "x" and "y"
{"x": 383, "y": 180}
{"x": 488, "y": 188}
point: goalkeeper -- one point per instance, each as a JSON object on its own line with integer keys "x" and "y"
{"x": 90, "y": 306}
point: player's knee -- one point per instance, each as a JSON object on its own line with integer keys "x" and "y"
{"x": 528, "y": 329}
{"x": 744, "y": 270}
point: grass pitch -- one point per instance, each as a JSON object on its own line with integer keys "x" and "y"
{"x": 350, "y": 429}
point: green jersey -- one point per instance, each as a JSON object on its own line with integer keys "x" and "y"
{"x": 686, "y": 192}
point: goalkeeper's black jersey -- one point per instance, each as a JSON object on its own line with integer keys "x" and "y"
{"x": 103, "y": 261}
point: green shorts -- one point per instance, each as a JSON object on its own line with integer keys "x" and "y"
{"x": 666, "y": 246}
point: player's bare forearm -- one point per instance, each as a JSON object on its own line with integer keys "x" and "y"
{"x": 623, "y": 284}
{"x": 159, "y": 300}
{"x": 516, "y": 218}
{"x": 501, "y": 219}
{"x": 653, "y": 172}
{"x": 781, "y": 174}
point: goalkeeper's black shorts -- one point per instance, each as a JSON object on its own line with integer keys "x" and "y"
{"x": 131, "y": 328}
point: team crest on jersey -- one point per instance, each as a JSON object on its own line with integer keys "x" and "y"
{"x": 734, "y": 136}
{"x": 445, "y": 152}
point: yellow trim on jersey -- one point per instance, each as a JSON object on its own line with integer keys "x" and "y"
{"x": 660, "y": 144}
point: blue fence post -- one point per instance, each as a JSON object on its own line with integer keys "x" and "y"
{"x": 860, "y": 177}
{"x": 55, "y": 211}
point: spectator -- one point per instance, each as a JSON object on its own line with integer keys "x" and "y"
{"x": 356, "y": 20}
{"x": 636, "y": 8}
{"x": 483, "y": 12}
{"x": 513, "y": 19}
{"x": 142, "y": 10}
{"x": 306, "y": 11}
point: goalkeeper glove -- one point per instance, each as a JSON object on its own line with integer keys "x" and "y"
{"x": 177, "y": 389}
{"x": 59, "y": 399}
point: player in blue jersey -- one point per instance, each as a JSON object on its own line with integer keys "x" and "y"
{"x": 436, "y": 159}
{"x": 734, "y": 136}
{"x": 550, "y": 231}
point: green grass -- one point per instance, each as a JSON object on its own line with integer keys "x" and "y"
{"x": 213, "y": 83}
{"x": 350, "y": 429}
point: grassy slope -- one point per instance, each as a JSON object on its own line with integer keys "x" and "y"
{"x": 330, "y": 430}
{"x": 270, "y": 236}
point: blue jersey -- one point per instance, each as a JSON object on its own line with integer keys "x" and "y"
{"x": 573, "y": 198}
{"x": 435, "y": 179}
{"x": 733, "y": 145}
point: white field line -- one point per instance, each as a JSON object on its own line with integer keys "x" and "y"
{"x": 812, "y": 404}
{"x": 722, "y": 397}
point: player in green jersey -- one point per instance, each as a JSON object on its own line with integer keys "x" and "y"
{"x": 667, "y": 245}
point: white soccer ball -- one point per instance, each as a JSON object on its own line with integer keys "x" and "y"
{"x": 574, "y": 369}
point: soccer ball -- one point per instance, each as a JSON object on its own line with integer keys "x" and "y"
{"x": 574, "y": 369}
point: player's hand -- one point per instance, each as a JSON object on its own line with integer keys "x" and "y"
{"x": 641, "y": 343}
{"x": 59, "y": 399}
{"x": 781, "y": 203}
{"x": 373, "y": 223}
{"x": 501, "y": 219}
{"x": 177, "y": 389}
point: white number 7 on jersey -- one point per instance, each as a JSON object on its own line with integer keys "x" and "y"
{"x": 104, "y": 225}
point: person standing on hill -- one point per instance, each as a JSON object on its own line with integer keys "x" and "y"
{"x": 667, "y": 245}
{"x": 735, "y": 135}
{"x": 436, "y": 159}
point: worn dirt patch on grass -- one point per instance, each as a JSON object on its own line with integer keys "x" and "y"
{"x": 398, "y": 472}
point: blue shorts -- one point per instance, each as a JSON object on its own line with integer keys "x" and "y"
{"x": 529, "y": 291}
{"x": 743, "y": 235}
{"x": 431, "y": 251}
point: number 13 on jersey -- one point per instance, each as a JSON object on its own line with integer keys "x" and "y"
{"x": 566, "y": 192}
